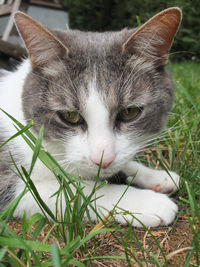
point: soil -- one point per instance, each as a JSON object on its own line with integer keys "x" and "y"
{"x": 174, "y": 240}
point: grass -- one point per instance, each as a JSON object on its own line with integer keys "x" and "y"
{"x": 69, "y": 241}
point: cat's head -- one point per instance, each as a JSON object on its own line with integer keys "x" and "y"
{"x": 98, "y": 93}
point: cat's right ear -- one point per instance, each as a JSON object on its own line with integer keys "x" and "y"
{"x": 42, "y": 45}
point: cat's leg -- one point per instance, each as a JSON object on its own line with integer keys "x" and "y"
{"x": 46, "y": 188}
{"x": 151, "y": 208}
{"x": 157, "y": 180}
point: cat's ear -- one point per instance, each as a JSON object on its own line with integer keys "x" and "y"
{"x": 42, "y": 45}
{"x": 154, "y": 38}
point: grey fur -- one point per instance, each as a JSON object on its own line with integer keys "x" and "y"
{"x": 8, "y": 178}
{"x": 125, "y": 78}
{"x": 149, "y": 87}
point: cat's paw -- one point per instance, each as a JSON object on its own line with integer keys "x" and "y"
{"x": 167, "y": 182}
{"x": 153, "y": 209}
{"x": 156, "y": 180}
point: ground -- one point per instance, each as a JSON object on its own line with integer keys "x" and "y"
{"x": 175, "y": 240}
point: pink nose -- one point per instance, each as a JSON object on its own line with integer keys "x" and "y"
{"x": 105, "y": 162}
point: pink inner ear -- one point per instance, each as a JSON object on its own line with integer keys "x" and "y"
{"x": 41, "y": 44}
{"x": 167, "y": 26}
{"x": 159, "y": 31}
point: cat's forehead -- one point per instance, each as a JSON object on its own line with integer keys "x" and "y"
{"x": 99, "y": 42}
{"x": 94, "y": 60}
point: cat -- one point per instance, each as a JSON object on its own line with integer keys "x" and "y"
{"x": 96, "y": 94}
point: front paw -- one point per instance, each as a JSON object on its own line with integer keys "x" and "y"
{"x": 167, "y": 182}
{"x": 150, "y": 208}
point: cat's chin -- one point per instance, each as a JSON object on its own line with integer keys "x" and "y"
{"x": 92, "y": 173}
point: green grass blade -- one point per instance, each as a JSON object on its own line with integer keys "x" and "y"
{"x": 188, "y": 258}
{"x": 36, "y": 195}
{"x": 24, "y": 244}
{"x": 8, "y": 212}
{"x": 2, "y": 252}
{"x": 20, "y": 132}
{"x": 76, "y": 263}
{"x": 55, "y": 255}
{"x": 20, "y": 125}
{"x": 104, "y": 257}
{"x": 37, "y": 149}
{"x": 188, "y": 96}
{"x": 39, "y": 227}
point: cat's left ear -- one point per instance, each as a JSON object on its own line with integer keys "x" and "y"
{"x": 154, "y": 38}
{"x": 42, "y": 45}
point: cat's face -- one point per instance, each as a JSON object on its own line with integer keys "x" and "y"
{"x": 98, "y": 99}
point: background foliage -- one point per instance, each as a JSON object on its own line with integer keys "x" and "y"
{"x": 103, "y": 15}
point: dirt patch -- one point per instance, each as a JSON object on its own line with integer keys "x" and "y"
{"x": 174, "y": 241}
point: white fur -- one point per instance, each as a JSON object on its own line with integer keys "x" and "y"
{"x": 152, "y": 209}
{"x": 100, "y": 135}
{"x": 80, "y": 155}
{"x": 150, "y": 179}
{"x": 84, "y": 151}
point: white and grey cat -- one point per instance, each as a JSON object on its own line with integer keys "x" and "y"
{"x": 94, "y": 92}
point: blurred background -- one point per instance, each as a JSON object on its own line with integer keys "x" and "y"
{"x": 99, "y": 15}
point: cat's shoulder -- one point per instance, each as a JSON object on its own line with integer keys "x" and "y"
{"x": 20, "y": 71}
{"x": 11, "y": 89}
{"x": 11, "y": 82}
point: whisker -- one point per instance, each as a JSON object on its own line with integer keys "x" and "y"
{"x": 64, "y": 91}
{"x": 68, "y": 76}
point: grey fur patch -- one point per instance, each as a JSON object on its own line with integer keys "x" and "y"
{"x": 8, "y": 180}
{"x": 123, "y": 80}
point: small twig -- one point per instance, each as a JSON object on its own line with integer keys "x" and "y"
{"x": 16, "y": 258}
{"x": 118, "y": 247}
{"x": 100, "y": 225}
{"x": 144, "y": 238}
{"x": 172, "y": 254}
{"x": 144, "y": 241}
{"x": 181, "y": 243}
{"x": 164, "y": 239}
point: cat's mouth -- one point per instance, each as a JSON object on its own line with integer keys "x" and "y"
{"x": 92, "y": 171}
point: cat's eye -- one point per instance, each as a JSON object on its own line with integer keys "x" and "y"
{"x": 128, "y": 114}
{"x": 72, "y": 117}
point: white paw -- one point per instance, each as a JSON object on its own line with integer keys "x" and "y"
{"x": 167, "y": 182}
{"x": 151, "y": 208}
{"x": 156, "y": 180}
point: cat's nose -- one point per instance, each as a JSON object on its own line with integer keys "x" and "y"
{"x": 105, "y": 162}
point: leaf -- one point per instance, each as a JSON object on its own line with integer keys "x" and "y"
{"x": 36, "y": 195}
{"x": 24, "y": 244}
{"x": 76, "y": 263}
{"x": 39, "y": 227}
{"x": 37, "y": 149}
{"x": 2, "y": 253}
{"x": 24, "y": 128}
{"x": 8, "y": 212}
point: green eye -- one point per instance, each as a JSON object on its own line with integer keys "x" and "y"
{"x": 127, "y": 114}
{"x": 72, "y": 117}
